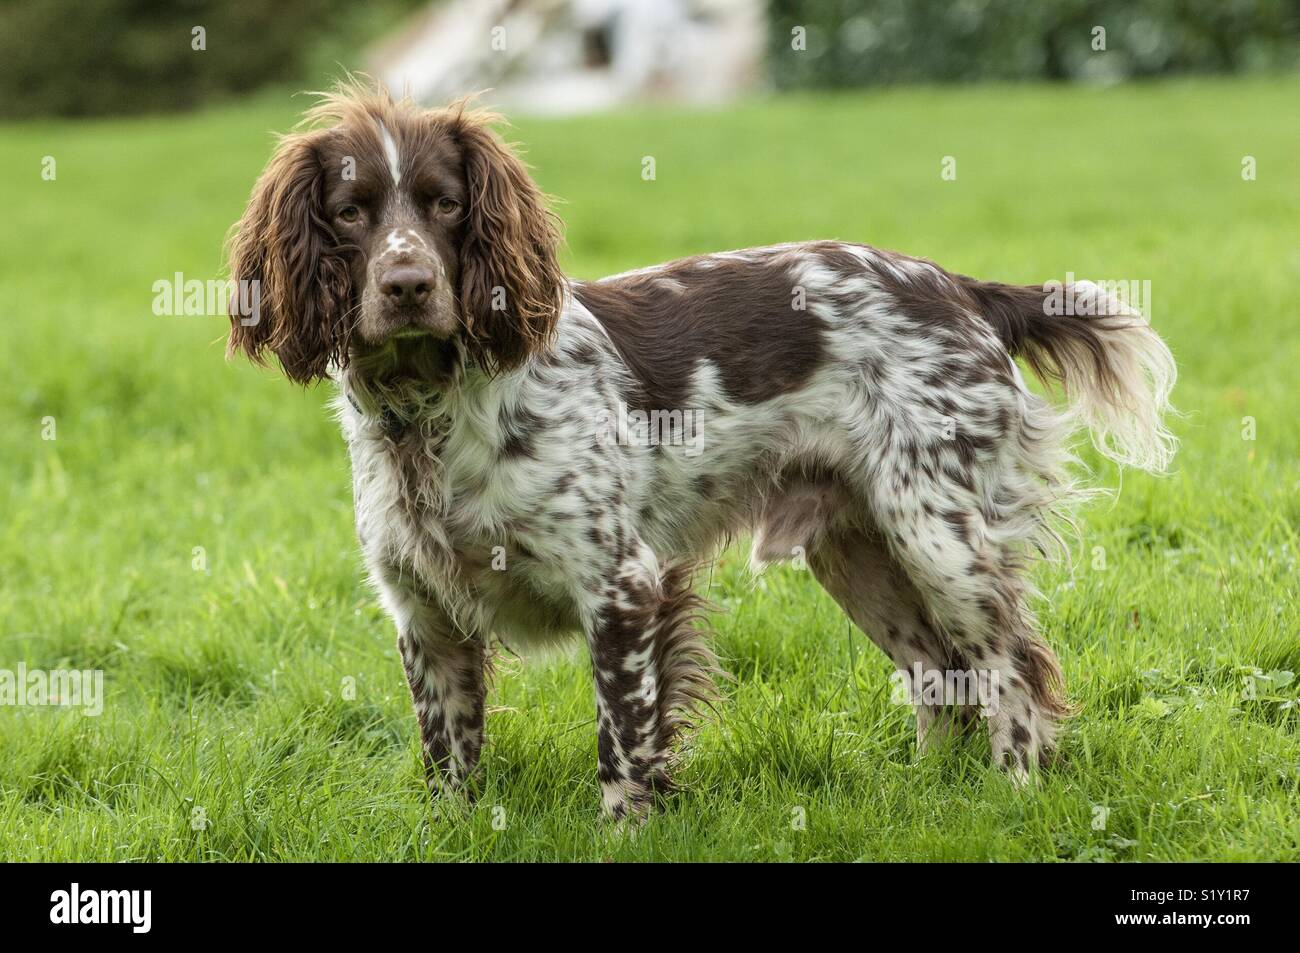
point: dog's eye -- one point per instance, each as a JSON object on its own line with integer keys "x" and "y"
{"x": 349, "y": 214}
{"x": 447, "y": 205}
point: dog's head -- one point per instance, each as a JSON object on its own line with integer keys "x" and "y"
{"x": 384, "y": 222}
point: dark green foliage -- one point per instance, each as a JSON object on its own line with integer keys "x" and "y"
{"x": 98, "y": 57}
{"x": 863, "y": 42}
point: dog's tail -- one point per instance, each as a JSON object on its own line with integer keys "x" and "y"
{"x": 1107, "y": 358}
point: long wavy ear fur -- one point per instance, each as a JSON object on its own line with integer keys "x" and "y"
{"x": 511, "y": 285}
{"x": 283, "y": 244}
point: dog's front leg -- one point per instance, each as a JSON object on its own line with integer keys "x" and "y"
{"x": 631, "y": 748}
{"x": 446, "y": 671}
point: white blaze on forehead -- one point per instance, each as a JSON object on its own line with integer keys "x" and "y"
{"x": 390, "y": 152}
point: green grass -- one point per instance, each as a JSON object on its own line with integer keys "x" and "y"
{"x": 225, "y": 686}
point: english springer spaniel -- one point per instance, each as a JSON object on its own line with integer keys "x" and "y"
{"x": 534, "y": 456}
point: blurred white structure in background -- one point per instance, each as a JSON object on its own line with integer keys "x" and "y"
{"x": 573, "y": 56}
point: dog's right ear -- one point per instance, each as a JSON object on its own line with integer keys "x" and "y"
{"x": 291, "y": 288}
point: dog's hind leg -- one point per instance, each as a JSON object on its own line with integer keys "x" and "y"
{"x": 975, "y": 593}
{"x": 855, "y": 567}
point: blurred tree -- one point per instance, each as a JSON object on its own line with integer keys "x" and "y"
{"x": 92, "y": 57}
{"x": 862, "y": 42}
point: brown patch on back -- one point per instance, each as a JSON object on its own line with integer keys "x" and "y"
{"x": 734, "y": 313}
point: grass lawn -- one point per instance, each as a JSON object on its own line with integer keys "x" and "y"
{"x": 189, "y": 529}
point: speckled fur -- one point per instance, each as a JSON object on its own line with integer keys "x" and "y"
{"x": 854, "y": 409}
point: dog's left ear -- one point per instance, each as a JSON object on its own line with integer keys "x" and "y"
{"x": 511, "y": 286}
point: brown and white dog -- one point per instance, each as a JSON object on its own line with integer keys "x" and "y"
{"x": 854, "y": 407}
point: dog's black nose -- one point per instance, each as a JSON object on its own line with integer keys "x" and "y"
{"x": 406, "y": 285}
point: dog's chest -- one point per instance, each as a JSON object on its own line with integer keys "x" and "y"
{"x": 417, "y": 488}
{"x": 441, "y": 510}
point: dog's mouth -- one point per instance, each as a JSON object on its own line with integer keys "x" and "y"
{"x": 382, "y": 326}
{"x": 410, "y": 334}
{"x": 414, "y": 354}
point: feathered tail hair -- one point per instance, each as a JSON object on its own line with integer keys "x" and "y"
{"x": 1112, "y": 365}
